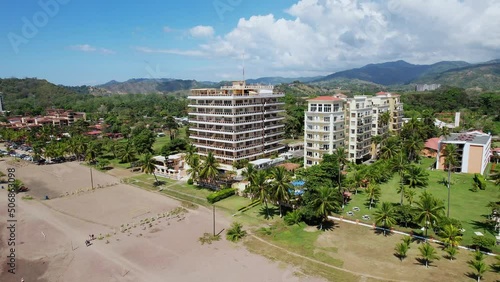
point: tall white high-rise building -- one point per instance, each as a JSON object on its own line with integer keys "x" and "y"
{"x": 237, "y": 122}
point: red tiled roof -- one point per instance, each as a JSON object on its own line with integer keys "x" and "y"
{"x": 95, "y": 132}
{"x": 432, "y": 143}
{"x": 325, "y": 98}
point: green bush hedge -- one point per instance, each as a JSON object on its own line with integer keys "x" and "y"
{"x": 480, "y": 181}
{"x": 221, "y": 194}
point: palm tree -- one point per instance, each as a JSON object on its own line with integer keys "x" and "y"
{"x": 375, "y": 142}
{"x": 92, "y": 152}
{"x": 259, "y": 188}
{"x": 479, "y": 268}
{"x": 127, "y": 153}
{"x": 409, "y": 196}
{"x": 210, "y": 169}
{"x": 429, "y": 210}
{"x": 249, "y": 172}
{"x": 401, "y": 250}
{"x": 428, "y": 253}
{"x": 385, "y": 215}
{"x": 413, "y": 146}
{"x": 236, "y": 232}
{"x": 373, "y": 193}
{"x": 415, "y": 176}
{"x": 389, "y": 150}
{"x": 451, "y": 160}
{"x": 280, "y": 186}
{"x": 195, "y": 168}
{"x": 356, "y": 176}
{"x": 451, "y": 251}
{"x": 190, "y": 153}
{"x": 399, "y": 164}
{"x": 324, "y": 202}
{"x": 148, "y": 165}
{"x": 385, "y": 118}
{"x": 451, "y": 235}
{"x": 341, "y": 156}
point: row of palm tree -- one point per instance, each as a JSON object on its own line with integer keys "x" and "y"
{"x": 429, "y": 211}
{"x": 273, "y": 185}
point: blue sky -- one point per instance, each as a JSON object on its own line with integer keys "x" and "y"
{"x": 77, "y": 42}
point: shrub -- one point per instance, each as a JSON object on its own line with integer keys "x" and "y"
{"x": 444, "y": 221}
{"x": 190, "y": 181}
{"x": 479, "y": 181}
{"x": 483, "y": 242}
{"x": 221, "y": 194}
{"x": 293, "y": 217}
{"x": 236, "y": 232}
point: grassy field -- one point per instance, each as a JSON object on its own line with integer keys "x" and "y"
{"x": 326, "y": 250}
{"x": 470, "y": 207}
{"x": 162, "y": 141}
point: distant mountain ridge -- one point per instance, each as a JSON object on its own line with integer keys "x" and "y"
{"x": 392, "y": 73}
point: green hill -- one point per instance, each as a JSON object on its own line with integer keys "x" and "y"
{"x": 33, "y": 96}
{"x": 484, "y": 76}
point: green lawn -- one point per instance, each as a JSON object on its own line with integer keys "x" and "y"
{"x": 162, "y": 141}
{"x": 467, "y": 206}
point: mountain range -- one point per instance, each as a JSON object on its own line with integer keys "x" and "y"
{"x": 398, "y": 73}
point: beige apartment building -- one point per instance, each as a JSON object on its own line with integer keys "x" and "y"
{"x": 358, "y": 118}
{"x": 237, "y": 122}
{"x": 473, "y": 151}
{"x": 395, "y": 108}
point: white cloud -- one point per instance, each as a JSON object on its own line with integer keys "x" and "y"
{"x": 167, "y": 29}
{"x": 88, "y": 48}
{"x": 83, "y": 48}
{"x": 321, "y": 36}
{"x": 202, "y": 31}
{"x": 171, "y": 51}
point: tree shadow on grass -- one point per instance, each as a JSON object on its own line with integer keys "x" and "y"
{"x": 421, "y": 261}
{"x": 471, "y": 275}
{"x": 328, "y": 225}
{"x": 269, "y": 213}
{"x": 484, "y": 225}
{"x": 380, "y": 231}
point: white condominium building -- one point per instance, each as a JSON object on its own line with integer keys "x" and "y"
{"x": 237, "y": 122}
{"x": 324, "y": 128}
{"x": 337, "y": 121}
{"x": 359, "y": 128}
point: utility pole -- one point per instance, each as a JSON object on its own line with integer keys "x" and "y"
{"x": 91, "y": 179}
{"x": 214, "y": 217}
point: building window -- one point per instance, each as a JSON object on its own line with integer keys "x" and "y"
{"x": 326, "y": 128}
{"x": 320, "y": 108}
{"x": 310, "y": 118}
{"x": 353, "y": 115}
{"x": 326, "y": 147}
{"x": 309, "y": 162}
{"x": 309, "y": 154}
{"x": 335, "y": 108}
{"x": 313, "y": 107}
{"x": 309, "y": 145}
{"x": 353, "y": 131}
{"x": 352, "y": 155}
{"x": 334, "y": 118}
{"x": 328, "y": 108}
{"x": 309, "y": 136}
{"x": 326, "y": 137}
{"x": 326, "y": 119}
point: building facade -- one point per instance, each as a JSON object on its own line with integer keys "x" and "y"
{"x": 237, "y": 122}
{"x": 473, "y": 151}
{"x": 358, "y": 128}
{"x": 337, "y": 121}
{"x": 324, "y": 128}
